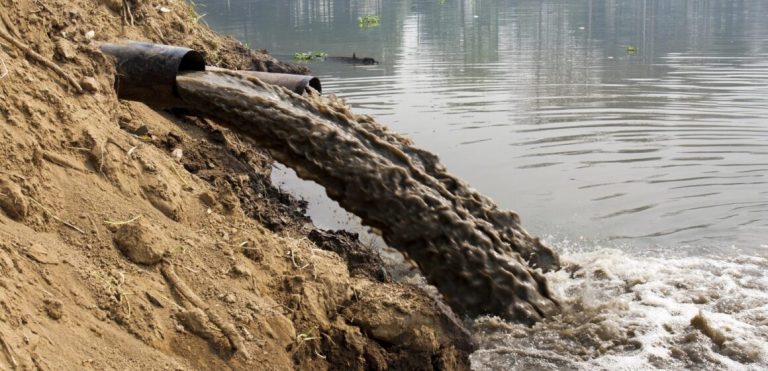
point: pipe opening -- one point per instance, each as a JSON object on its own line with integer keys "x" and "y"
{"x": 314, "y": 83}
{"x": 192, "y": 61}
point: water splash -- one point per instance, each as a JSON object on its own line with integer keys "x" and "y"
{"x": 630, "y": 312}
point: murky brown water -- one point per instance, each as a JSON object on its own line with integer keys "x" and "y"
{"x": 633, "y": 133}
{"x": 474, "y": 253}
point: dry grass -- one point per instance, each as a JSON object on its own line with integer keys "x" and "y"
{"x": 122, "y": 222}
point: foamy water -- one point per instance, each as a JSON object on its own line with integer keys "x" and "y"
{"x": 635, "y": 312}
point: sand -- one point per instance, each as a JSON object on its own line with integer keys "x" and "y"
{"x": 138, "y": 239}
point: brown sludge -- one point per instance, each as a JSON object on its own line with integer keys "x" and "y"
{"x": 474, "y": 253}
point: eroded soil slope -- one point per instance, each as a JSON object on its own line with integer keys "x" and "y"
{"x": 138, "y": 239}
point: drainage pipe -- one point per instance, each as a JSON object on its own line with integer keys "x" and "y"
{"x": 147, "y": 73}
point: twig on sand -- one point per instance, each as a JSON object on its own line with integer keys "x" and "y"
{"x": 61, "y": 161}
{"x": 4, "y": 20}
{"x": 190, "y": 269}
{"x": 68, "y": 224}
{"x": 40, "y": 59}
{"x": 4, "y": 70}
{"x": 178, "y": 174}
{"x": 9, "y": 353}
{"x": 121, "y": 222}
{"x": 226, "y": 328}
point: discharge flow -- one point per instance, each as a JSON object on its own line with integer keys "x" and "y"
{"x": 478, "y": 256}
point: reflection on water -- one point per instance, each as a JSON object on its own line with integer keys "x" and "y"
{"x": 638, "y": 123}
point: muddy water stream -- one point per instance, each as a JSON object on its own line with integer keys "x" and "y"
{"x": 633, "y": 134}
{"x": 474, "y": 253}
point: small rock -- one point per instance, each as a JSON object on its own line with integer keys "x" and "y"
{"x": 42, "y": 255}
{"x": 230, "y": 298}
{"x": 90, "y": 85}
{"x": 207, "y": 199}
{"x": 192, "y": 168}
{"x": 153, "y": 299}
{"x": 12, "y": 201}
{"x": 241, "y": 270}
{"x": 54, "y": 308}
{"x": 65, "y": 50}
{"x": 141, "y": 242}
{"x": 178, "y": 153}
{"x": 142, "y": 130}
{"x": 90, "y": 34}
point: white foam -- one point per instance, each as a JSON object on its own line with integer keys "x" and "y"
{"x": 632, "y": 312}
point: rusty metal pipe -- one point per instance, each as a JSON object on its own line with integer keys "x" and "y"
{"x": 147, "y": 73}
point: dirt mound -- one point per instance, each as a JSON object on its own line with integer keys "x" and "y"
{"x": 138, "y": 239}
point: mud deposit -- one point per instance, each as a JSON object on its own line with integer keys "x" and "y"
{"x": 477, "y": 255}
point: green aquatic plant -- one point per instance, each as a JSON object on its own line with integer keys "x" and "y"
{"x": 631, "y": 49}
{"x": 309, "y": 56}
{"x": 368, "y": 21}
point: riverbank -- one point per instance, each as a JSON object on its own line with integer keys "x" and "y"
{"x": 139, "y": 239}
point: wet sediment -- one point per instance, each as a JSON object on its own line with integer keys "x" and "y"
{"x": 477, "y": 255}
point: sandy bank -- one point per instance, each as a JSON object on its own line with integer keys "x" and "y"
{"x": 138, "y": 239}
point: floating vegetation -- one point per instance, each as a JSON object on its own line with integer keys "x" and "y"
{"x": 309, "y": 56}
{"x": 368, "y": 21}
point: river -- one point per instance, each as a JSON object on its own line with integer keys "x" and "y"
{"x": 631, "y": 134}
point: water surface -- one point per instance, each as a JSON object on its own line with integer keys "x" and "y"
{"x": 639, "y": 125}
